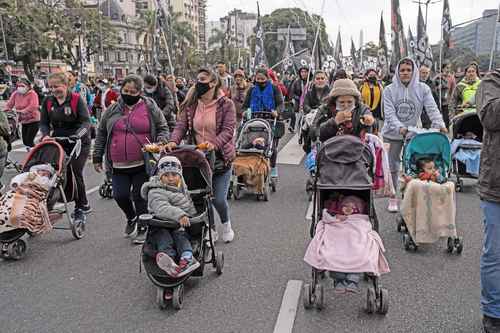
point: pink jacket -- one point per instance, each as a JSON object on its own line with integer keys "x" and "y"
{"x": 26, "y": 106}
{"x": 225, "y": 119}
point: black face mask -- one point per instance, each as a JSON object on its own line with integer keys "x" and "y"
{"x": 372, "y": 79}
{"x": 202, "y": 88}
{"x": 262, "y": 85}
{"x": 130, "y": 99}
{"x": 180, "y": 86}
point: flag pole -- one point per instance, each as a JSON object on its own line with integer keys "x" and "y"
{"x": 293, "y": 55}
{"x": 315, "y": 42}
{"x": 494, "y": 44}
{"x": 441, "y": 71}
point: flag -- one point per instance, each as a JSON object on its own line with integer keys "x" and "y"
{"x": 411, "y": 44}
{"x": 423, "y": 51}
{"x": 382, "y": 61}
{"x": 354, "y": 57}
{"x": 446, "y": 28}
{"x": 399, "y": 50}
{"x": 260, "y": 55}
{"x": 289, "y": 52}
{"x": 338, "y": 51}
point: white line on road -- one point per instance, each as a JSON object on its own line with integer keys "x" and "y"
{"x": 292, "y": 153}
{"x": 288, "y": 310}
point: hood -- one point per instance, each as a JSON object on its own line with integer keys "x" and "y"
{"x": 396, "y": 80}
{"x": 155, "y": 183}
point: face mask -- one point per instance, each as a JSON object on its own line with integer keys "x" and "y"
{"x": 130, "y": 99}
{"x": 372, "y": 79}
{"x": 202, "y": 88}
{"x": 22, "y": 90}
{"x": 262, "y": 85}
{"x": 338, "y": 107}
{"x": 101, "y": 87}
{"x": 149, "y": 90}
{"x": 180, "y": 86}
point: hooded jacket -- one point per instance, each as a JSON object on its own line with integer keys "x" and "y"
{"x": 167, "y": 202}
{"x": 403, "y": 105}
{"x": 488, "y": 106}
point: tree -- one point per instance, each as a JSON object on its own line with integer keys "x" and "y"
{"x": 218, "y": 38}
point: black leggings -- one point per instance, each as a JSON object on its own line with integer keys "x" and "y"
{"x": 126, "y": 182}
{"x": 29, "y": 132}
{"x": 78, "y": 165}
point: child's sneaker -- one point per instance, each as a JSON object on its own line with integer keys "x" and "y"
{"x": 393, "y": 205}
{"x": 340, "y": 287}
{"x": 167, "y": 264}
{"x": 351, "y": 287}
{"x": 185, "y": 267}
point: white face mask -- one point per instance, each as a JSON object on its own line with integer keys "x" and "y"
{"x": 338, "y": 107}
{"x": 22, "y": 90}
{"x": 149, "y": 90}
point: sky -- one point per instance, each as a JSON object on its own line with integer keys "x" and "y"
{"x": 352, "y": 16}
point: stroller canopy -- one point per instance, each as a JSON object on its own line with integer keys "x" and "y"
{"x": 47, "y": 152}
{"x": 195, "y": 168}
{"x": 254, "y": 129}
{"x": 467, "y": 122}
{"x": 344, "y": 162}
{"x": 433, "y": 145}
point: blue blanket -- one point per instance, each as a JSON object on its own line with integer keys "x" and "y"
{"x": 470, "y": 157}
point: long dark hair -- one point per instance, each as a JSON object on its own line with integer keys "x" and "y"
{"x": 192, "y": 97}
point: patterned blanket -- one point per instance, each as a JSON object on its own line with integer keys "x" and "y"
{"x": 253, "y": 169}
{"x": 25, "y": 208}
{"x": 428, "y": 210}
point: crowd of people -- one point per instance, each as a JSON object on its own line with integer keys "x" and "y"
{"x": 207, "y": 110}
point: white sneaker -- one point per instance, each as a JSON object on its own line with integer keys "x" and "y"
{"x": 227, "y": 232}
{"x": 215, "y": 236}
{"x": 393, "y": 206}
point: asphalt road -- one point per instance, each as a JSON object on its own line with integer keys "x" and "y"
{"x": 94, "y": 284}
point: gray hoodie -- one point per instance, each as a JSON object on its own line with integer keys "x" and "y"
{"x": 403, "y": 105}
{"x": 167, "y": 202}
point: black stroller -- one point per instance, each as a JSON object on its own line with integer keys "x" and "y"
{"x": 62, "y": 189}
{"x": 461, "y": 124}
{"x": 344, "y": 166}
{"x": 198, "y": 176}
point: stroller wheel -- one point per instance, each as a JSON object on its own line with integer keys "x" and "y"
{"x": 219, "y": 263}
{"x": 459, "y": 244}
{"x": 17, "y": 249}
{"x": 178, "y": 297}
{"x": 273, "y": 184}
{"x": 459, "y": 186}
{"x": 109, "y": 191}
{"x": 103, "y": 191}
{"x": 236, "y": 192}
{"x": 450, "y": 245}
{"x": 319, "y": 297}
{"x": 160, "y": 298}
{"x": 383, "y": 301}
{"x": 307, "y": 296}
{"x": 78, "y": 229}
{"x": 407, "y": 242}
{"x": 371, "y": 301}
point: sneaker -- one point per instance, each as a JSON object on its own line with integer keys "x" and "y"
{"x": 291, "y": 129}
{"x": 351, "y": 287}
{"x": 227, "y": 232}
{"x": 393, "y": 206}
{"x": 131, "y": 228}
{"x": 274, "y": 172}
{"x": 140, "y": 238}
{"x": 86, "y": 209}
{"x": 491, "y": 325}
{"x": 166, "y": 263}
{"x": 186, "y": 266}
{"x": 339, "y": 287}
{"x": 78, "y": 215}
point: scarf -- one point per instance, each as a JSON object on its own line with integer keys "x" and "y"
{"x": 262, "y": 100}
{"x": 372, "y": 101}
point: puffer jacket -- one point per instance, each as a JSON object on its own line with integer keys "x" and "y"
{"x": 167, "y": 202}
{"x": 488, "y": 106}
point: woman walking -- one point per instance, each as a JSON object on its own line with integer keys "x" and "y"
{"x": 208, "y": 117}
{"x": 123, "y": 130}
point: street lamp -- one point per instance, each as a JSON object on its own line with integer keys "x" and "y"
{"x": 78, "y": 27}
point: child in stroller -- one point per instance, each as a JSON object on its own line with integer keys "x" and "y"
{"x": 168, "y": 199}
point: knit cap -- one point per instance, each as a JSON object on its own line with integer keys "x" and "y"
{"x": 344, "y": 87}
{"x": 169, "y": 164}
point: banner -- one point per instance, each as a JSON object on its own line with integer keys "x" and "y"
{"x": 399, "y": 49}
{"x": 423, "y": 52}
{"x": 260, "y": 55}
{"x": 446, "y": 29}
{"x": 383, "y": 58}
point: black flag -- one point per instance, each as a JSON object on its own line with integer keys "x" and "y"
{"x": 446, "y": 27}
{"x": 383, "y": 59}
{"x": 260, "y": 55}
{"x": 338, "y": 51}
{"x": 423, "y": 52}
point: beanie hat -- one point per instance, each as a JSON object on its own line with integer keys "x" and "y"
{"x": 239, "y": 72}
{"x": 344, "y": 87}
{"x": 42, "y": 167}
{"x": 169, "y": 164}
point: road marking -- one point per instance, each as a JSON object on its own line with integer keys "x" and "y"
{"x": 89, "y": 192}
{"x": 292, "y": 153}
{"x": 288, "y": 310}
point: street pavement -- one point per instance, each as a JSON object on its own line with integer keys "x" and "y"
{"x": 95, "y": 284}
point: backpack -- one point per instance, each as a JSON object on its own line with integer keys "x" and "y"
{"x": 73, "y": 103}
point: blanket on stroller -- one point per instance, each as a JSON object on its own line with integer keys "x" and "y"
{"x": 349, "y": 246}
{"x": 253, "y": 168}
{"x": 428, "y": 210}
{"x": 25, "y": 208}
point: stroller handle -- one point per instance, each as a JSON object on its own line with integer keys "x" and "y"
{"x": 151, "y": 220}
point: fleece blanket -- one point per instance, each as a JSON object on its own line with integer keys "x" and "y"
{"x": 349, "y": 246}
{"x": 428, "y": 210}
{"x": 25, "y": 207}
{"x": 253, "y": 169}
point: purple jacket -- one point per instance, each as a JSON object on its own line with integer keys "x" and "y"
{"x": 225, "y": 119}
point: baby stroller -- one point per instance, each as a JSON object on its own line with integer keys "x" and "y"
{"x": 106, "y": 188}
{"x": 198, "y": 177}
{"x": 436, "y": 146}
{"x": 13, "y": 125}
{"x": 344, "y": 166}
{"x": 462, "y": 124}
{"x": 62, "y": 189}
{"x": 251, "y": 130}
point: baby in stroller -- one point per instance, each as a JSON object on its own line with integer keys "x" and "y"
{"x": 168, "y": 199}
{"x": 426, "y": 171}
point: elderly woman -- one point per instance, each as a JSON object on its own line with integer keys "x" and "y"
{"x": 342, "y": 113}
{"x": 123, "y": 130}
{"x": 208, "y": 118}
{"x": 65, "y": 114}
{"x": 24, "y": 101}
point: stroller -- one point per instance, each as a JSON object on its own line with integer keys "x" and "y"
{"x": 344, "y": 166}
{"x": 461, "y": 124}
{"x": 198, "y": 176}
{"x": 106, "y": 188}
{"x": 62, "y": 189}
{"x": 252, "y": 129}
{"x": 436, "y": 146}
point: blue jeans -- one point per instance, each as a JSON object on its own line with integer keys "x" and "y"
{"x": 221, "y": 184}
{"x": 490, "y": 260}
{"x": 175, "y": 243}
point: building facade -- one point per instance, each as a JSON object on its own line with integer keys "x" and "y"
{"x": 479, "y": 35}
{"x": 238, "y": 26}
{"x": 193, "y": 12}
